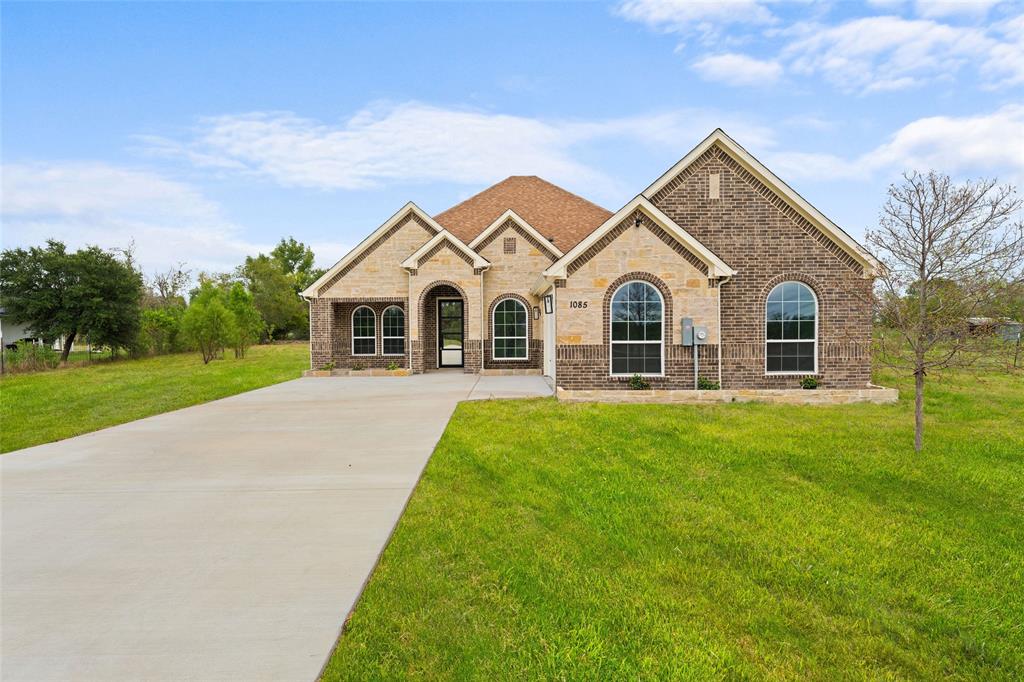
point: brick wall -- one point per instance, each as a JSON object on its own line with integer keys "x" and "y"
{"x": 587, "y": 367}
{"x": 767, "y": 242}
{"x": 341, "y": 333}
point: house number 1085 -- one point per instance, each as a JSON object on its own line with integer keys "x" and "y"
{"x": 577, "y": 304}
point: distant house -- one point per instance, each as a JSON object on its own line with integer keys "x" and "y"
{"x": 1004, "y": 327}
{"x": 11, "y": 332}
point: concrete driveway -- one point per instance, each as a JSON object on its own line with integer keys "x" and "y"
{"x": 223, "y": 541}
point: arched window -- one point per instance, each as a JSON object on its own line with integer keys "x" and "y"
{"x": 791, "y": 330}
{"x": 509, "y": 331}
{"x": 636, "y": 335}
{"x": 393, "y": 330}
{"x": 364, "y": 333}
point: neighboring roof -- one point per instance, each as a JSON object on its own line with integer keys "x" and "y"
{"x": 403, "y": 213}
{"x": 759, "y": 171}
{"x": 519, "y": 220}
{"x": 716, "y": 266}
{"x": 413, "y": 261}
{"x": 560, "y": 216}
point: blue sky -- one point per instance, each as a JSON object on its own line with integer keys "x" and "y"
{"x": 205, "y": 132}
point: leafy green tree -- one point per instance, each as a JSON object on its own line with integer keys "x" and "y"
{"x": 296, "y": 259}
{"x": 274, "y": 295}
{"x": 248, "y": 322}
{"x": 208, "y": 324}
{"x": 56, "y": 293}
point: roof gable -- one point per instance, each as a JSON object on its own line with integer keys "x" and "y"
{"x": 716, "y": 266}
{"x": 760, "y": 172}
{"x": 439, "y": 239}
{"x": 337, "y": 270}
{"x": 561, "y": 217}
{"x": 495, "y": 228}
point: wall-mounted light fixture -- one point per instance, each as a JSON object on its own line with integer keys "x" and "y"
{"x": 536, "y": 313}
{"x": 549, "y": 304}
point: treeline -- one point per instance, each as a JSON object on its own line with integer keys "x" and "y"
{"x": 104, "y": 298}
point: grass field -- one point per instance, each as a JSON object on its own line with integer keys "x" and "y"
{"x": 46, "y": 406}
{"x": 609, "y": 542}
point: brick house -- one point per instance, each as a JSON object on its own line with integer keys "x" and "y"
{"x": 525, "y": 277}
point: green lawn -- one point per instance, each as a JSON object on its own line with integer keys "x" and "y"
{"x": 609, "y": 542}
{"x": 47, "y": 406}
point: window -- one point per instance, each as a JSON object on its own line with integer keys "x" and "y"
{"x": 636, "y": 334}
{"x": 509, "y": 338}
{"x": 364, "y": 334}
{"x": 510, "y": 245}
{"x": 393, "y": 331}
{"x": 791, "y": 330}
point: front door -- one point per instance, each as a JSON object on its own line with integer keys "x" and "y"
{"x": 449, "y": 332}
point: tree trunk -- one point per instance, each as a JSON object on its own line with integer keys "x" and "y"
{"x": 918, "y": 409}
{"x": 68, "y": 343}
{"x": 1016, "y": 350}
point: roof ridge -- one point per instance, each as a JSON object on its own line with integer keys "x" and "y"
{"x": 562, "y": 189}
{"x": 511, "y": 177}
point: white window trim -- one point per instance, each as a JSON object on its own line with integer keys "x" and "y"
{"x": 494, "y": 338}
{"x": 611, "y": 341}
{"x": 764, "y": 321}
{"x": 352, "y": 323}
{"x": 383, "y": 337}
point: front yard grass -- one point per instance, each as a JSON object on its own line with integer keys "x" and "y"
{"x": 608, "y": 542}
{"x": 46, "y": 406}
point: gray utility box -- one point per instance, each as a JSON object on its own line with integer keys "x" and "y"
{"x": 693, "y": 336}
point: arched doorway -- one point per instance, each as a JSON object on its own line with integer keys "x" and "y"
{"x": 443, "y": 327}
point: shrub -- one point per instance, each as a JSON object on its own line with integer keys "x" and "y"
{"x": 809, "y": 383}
{"x": 704, "y": 384}
{"x": 248, "y": 322}
{"x": 638, "y": 383}
{"x": 30, "y": 357}
{"x": 392, "y": 366}
{"x": 210, "y": 326}
{"x": 328, "y": 366}
{"x": 358, "y": 367}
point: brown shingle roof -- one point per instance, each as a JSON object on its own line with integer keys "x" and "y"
{"x": 561, "y": 216}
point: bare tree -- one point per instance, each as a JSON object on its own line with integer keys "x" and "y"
{"x": 943, "y": 248}
{"x": 169, "y": 287}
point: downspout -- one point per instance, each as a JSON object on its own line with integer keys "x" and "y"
{"x": 408, "y": 317}
{"x": 309, "y": 312}
{"x": 721, "y": 283}
{"x": 483, "y": 319}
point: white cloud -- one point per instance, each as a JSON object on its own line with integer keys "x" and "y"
{"x": 415, "y": 142}
{"x": 706, "y": 19}
{"x": 884, "y": 53}
{"x": 946, "y": 8}
{"x": 984, "y": 144}
{"x": 82, "y": 203}
{"x": 738, "y": 69}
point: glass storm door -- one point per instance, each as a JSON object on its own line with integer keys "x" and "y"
{"x": 449, "y": 333}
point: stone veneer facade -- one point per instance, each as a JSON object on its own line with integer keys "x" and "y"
{"x": 744, "y": 222}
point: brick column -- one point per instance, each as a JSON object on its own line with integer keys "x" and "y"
{"x": 321, "y": 324}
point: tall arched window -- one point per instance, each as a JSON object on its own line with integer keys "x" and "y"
{"x": 637, "y": 335}
{"x": 364, "y": 333}
{"x": 791, "y": 330}
{"x": 393, "y": 330}
{"x": 509, "y": 331}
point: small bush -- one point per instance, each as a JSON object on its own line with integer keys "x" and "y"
{"x": 704, "y": 384}
{"x": 358, "y": 367}
{"x": 327, "y": 366}
{"x": 30, "y": 357}
{"x": 809, "y": 383}
{"x": 638, "y": 383}
{"x": 392, "y": 366}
